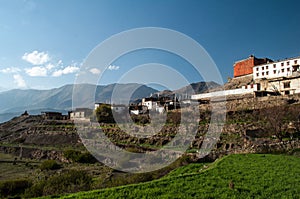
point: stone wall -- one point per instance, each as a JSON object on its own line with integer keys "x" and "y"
{"x": 249, "y": 102}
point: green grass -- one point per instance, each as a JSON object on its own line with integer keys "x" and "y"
{"x": 253, "y": 175}
{"x": 10, "y": 171}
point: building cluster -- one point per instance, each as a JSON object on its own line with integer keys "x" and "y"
{"x": 268, "y": 78}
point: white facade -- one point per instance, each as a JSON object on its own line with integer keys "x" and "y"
{"x": 283, "y": 68}
{"x": 78, "y": 114}
{"x": 160, "y": 109}
{"x": 118, "y": 108}
{"x": 151, "y": 105}
{"x": 135, "y": 112}
{"x": 239, "y": 91}
{"x": 97, "y": 105}
{"x": 285, "y": 86}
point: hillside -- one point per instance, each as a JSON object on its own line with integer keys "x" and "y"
{"x": 193, "y": 88}
{"x": 234, "y": 176}
{"x": 197, "y": 88}
{"x": 27, "y": 141}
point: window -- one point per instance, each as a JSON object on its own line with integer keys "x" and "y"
{"x": 287, "y": 63}
{"x": 286, "y": 92}
{"x": 288, "y": 69}
{"x": 263, "y": 68}
{"x": 282, "y": 64}
{"x": 257, "y": 74}
{"x": 267, "y": 73}
{"x": 286, "y": 84}
{"x": 295, "y": 68}
{"x": 256, "y": 69}
{"x": 267, "y": 67}
{"x": 274, "y": 71}
{"x": 295, "y": 61}
{"x": 282, "y": 70}
{"x": 274, "y": 65}
{"x": 263, "y": 73}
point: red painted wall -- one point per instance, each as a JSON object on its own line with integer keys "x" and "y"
{"x": 245, "y": 67}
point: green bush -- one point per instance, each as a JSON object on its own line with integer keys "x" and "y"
{"x": 77, "y": 156}
{"x": 50, "y": 165}
{"x": 13, "y": 187}
{"x": 72, "y": 155}
{"x": 68, "y": 182}
{"x": 87, "y": 158}
{"x": 104, "y": 114}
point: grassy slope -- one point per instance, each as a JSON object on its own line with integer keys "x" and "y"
{"x": 253, "y": 175}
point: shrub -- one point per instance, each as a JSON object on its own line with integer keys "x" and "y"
{"x": 77, "y": 156}
{"x": 50, "y": 165}
{"x": 104, "y": 114}
{"x": 13, "y": 187}
{"x": 68, "y": 182}
{"x": 72, "y": 155}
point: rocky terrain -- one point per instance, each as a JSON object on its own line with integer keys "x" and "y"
{"x": 245, "y": 131}
{"x": 29, "y": 142}
{"x": 35, "y": 137}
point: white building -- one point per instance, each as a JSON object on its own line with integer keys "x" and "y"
{"x": 283, "y": 68}
{"x": 81, "y": 113}
{"x": 97, "y": 105}
{"x": 150, "y": 103}
{"x": 118, "y": 108}
{"x": 223, "y": 93}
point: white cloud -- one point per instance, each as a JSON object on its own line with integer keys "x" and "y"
{"x": 10, "y": 70}
{"x": 50, "y": 66}
{"x": 65, "y": 71}
{"x": 36, "y": 58}
{"x": 36, "y": 71}
{"x": 95, "y": 71}
{"x": 18, "y": 79}
{"x": 113, "y": 67}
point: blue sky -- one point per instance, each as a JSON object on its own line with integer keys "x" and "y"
{"x": 43, "y": 43}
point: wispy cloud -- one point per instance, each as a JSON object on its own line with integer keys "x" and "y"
{"x": 10, "y": 70}
{"x": 36, "y": 71}
{"x": 95, "y": 71}
{"x": 36, "y": 58}
{"x": 113, "y": 67}
{"x": 18, "y": 79}
{"x": 65, "y": 71}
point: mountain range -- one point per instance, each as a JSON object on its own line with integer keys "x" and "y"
{"x": 16, "y": 101}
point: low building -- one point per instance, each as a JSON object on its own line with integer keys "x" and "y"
{"x": 119, "y": 108}
{"x": 138, "y": 109}
{"x": 249, "y": 89}
{"x": 81, "y": 113}
{"x": 151, "y": 103}
{"x": 280, "y": 86}
{"x": 54, "y": 116}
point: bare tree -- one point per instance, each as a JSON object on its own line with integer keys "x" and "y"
{"x": 276, "y": 120}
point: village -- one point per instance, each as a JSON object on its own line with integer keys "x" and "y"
{"x": 253, "y": 78}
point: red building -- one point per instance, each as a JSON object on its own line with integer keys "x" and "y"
{"x": 245, "y": 66}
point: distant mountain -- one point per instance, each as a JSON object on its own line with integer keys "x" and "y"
{"x": 194, "y": 88}
{"x": 14, "y": 102}
{"x": 197, "y": 88}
